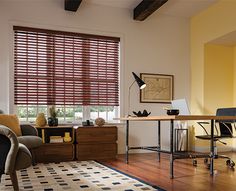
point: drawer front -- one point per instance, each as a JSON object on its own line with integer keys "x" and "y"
{"x": 54, "y": 153}
{"x": 96, "y": 134}
{"x": 94, "y": 151}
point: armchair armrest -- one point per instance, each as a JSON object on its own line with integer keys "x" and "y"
{"x": 5, "y": 145}
{"x": 12, "y": 153}
{"x": 28, "y": 130}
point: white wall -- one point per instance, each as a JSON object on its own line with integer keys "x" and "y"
{"x": 159, "y": 45}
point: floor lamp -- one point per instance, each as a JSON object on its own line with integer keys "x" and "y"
{"x": 141, "y": 85}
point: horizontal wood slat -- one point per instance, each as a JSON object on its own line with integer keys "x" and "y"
{"x": 64, "y": 68}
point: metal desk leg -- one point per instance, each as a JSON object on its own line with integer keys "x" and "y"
{"x": 171, "y": 149}
{"x": 127, "y": 143}
{"x": 159, "y": 142}
{"x": 212, "y": 148}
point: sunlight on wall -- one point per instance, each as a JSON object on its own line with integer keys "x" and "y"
{"x": 218, "y": 77}
{"x": 234, "y": 73}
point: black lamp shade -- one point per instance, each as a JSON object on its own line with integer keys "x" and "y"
{"x": 140, "y": 82}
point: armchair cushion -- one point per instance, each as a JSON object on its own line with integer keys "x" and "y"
{"x": 30, "y": 141}
{"x": 12, "y": 122}
{"x": 28, "y": 130}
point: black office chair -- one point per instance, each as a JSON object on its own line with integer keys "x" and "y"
{"x": 224, "y": 130}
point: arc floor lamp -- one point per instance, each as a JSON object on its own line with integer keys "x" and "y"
{"x": 141, "y": 85}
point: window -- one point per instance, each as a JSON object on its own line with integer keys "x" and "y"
{"x": 75, "y": 72}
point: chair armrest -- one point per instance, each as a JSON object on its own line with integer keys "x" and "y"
{"x": 201, "y": 123}
{"x": 28, "y": 130}
{"x": 11, "y": 155}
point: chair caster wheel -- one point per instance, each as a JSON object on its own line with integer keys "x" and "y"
{"x": 230, "y": 163}
{"x": 205, "y": 160}
{"x": 194, "y": 162}
{"x": 227, "y": 162}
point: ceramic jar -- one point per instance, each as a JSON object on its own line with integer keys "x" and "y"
{"x": 67, "y": 137}
{"x": 41, "y": 120}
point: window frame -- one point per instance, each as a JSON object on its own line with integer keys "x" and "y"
{"x": 86, "y": 114}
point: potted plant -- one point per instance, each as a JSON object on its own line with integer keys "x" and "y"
{"x": 53, "y": 120}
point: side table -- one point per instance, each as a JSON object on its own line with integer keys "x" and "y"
{"x": 55, "y": 152}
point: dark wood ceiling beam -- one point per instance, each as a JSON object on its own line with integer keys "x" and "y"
{"x": 146, "y": 8}
{"x": 72, "y": 5}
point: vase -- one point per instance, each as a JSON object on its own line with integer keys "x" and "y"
{"x": 40, "y": 120}
{"x": 67, "y": 137}
{"x": 52, "y": 121}
{"x": 55, "y": 121}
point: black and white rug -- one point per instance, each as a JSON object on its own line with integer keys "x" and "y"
{"x": 72, "y": 176}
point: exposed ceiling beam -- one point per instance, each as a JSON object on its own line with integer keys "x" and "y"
{"x": 72, "y": 5}
{"x": 146, "y": 8}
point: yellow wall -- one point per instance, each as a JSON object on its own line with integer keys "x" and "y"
{"x": 234, "y": 73}
{"x": 218, "y": 77}
{"x": 210, "y": 24}
{"x": 216, "y": 21}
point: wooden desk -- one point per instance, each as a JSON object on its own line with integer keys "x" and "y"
{"x": 172, "y": 118}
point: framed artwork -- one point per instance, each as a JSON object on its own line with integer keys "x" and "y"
{"x": 159, "y": 88}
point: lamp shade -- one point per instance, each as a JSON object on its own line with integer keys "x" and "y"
{"x": 140, "y": 82}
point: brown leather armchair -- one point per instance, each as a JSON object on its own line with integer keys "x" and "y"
{"x": 13, "y": 156}
{"x": 26, "y": 134}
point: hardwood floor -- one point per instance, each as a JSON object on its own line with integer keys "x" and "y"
{"x": 187, "y": 177}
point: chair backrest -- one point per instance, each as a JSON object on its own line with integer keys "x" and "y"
{"x": 226, "y": 125}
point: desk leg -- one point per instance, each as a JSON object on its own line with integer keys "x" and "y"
{"x": 127, "y": 143}
{"x": 159, "y": 142}
{"x": 212, "y": 148}
{"x": 171, "y": 149}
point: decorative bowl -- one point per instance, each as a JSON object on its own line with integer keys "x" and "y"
{"x": 172, "y": 112}
{"x": 142, "y": 114}
{"x": 99, "y": 121}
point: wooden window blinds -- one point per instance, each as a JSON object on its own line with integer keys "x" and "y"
{"x": 65, "y": 68}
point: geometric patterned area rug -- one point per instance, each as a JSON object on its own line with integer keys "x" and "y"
{"x": 73, "y": 176}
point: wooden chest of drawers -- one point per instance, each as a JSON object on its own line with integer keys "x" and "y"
{"x": 96, "y": 143}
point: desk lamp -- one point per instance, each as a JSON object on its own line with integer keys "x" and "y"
{"x": 141, "y": 85}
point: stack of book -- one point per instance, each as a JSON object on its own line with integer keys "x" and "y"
{"x": 56, "y": 139}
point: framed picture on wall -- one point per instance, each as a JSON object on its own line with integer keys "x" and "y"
{"x": 159, "y": 88}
